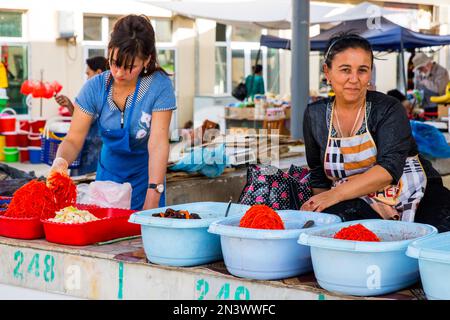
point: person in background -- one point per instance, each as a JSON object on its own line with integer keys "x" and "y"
{"x": 362, "y": 156}
{"x": 405, "y": 102}
{"x": 132, "y": 103}
{"x": 410, "y": 73}
{"x": 93, "y": 143}
{"x": 430, "y": 77}
{"x": 254, "y": 83}
{"x": 429, "y": 74}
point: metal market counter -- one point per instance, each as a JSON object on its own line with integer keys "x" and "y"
{"x": 121, "y": 271}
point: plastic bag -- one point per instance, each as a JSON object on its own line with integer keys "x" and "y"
{"x": 106, "y": 194}
{"x": 210, "y": 162}
{"x": 430, "y": 141}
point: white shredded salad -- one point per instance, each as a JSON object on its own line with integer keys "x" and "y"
{"x": 73, "y": 215}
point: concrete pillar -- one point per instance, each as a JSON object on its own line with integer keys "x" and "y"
{"x": 300, "y": 65}
{"x": 184, "y": 37}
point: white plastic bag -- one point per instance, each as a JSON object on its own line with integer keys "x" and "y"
{"x": 107, "y": 194}
{"x": 83, "y": 193}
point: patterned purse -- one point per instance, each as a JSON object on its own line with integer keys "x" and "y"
{"x": 277, "y": 189}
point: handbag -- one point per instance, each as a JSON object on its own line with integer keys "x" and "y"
{"x": 277, "y": 189}
{"x": 240, "y": 92}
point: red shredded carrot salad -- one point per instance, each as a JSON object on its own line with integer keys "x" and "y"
{"x": 261, "y": 216}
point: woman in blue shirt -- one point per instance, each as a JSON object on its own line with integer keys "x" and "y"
{"x": 132, "y": 104}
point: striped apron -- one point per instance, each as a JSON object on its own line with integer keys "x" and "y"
{"x": 350, "y": 156}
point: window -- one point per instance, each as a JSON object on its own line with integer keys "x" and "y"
{"x": 237, "y": 67}
{"x": 235, "y": 54}
{"x": 220, "y": 84}
{"x": 95, "y": 52}
{"x": 245, "y": 34}
{"x": 273, "y": 70}
{"x": 92, "y": 27}
{"x": 15, "y": 58}
{"x": 166, "y": 59}
{"x": 221, "y": 32}
{"x": 111, "y": 22}
{"x": 163, "y": 30}
{"x": 11, "y": 24}
{"x": 97, "y": 32}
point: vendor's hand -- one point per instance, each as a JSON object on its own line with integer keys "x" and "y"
{"x": 64, "y": 101}
{"x": 322, "y": 201}
{"x": 59, "y": 165}
{"x": 151, "y": 200}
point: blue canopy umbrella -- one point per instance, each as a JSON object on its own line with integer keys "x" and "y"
{"x": 383, "y": 35}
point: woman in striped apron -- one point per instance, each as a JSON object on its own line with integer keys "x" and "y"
{"x": 363, "y": 159}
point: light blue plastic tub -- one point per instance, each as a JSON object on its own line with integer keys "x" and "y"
{"x": 179, "y": 242}
{"x": 267, "y": 254}
{"x": 434, "y": 264}
{"x": 363, "y": 268}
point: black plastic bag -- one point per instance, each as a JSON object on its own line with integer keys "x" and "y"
{"x": 12, "y": 179}
{"x": 240, "y": 92}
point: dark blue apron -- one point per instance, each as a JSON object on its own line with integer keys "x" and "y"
{"x": 118, "y": 162}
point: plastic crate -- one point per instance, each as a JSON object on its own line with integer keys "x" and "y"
{"x": 4, "y": 200}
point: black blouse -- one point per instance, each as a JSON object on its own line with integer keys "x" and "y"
{"x": 387, "y": 123}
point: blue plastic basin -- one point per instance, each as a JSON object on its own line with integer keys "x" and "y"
{"x": 267, "y": 254}
{"x": 433, "y": 254}
{"x": 179, "y": 242}
{"x": 363, "y": 268}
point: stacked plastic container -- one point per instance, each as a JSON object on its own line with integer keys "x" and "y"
{"x": 36, "y": 127}
{"x": 10, "y": 152}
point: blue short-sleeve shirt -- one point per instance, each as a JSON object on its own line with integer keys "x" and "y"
{"x": 155, "y": 94}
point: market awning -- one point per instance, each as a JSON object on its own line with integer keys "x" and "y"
{"x": 364, "y": 10}
{"x": 272, "y": 14}
{"x": 383, "y": 35}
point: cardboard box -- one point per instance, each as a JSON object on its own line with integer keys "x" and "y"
{"x": 443, "y": 110}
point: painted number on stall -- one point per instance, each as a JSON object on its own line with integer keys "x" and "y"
{"x": 224, "y": 293}
{"x": 34, "y": 266}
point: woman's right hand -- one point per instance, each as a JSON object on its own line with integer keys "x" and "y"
{"x": 59, "y": 165}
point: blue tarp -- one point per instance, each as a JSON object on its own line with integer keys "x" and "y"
{"x": 384, "y": 36}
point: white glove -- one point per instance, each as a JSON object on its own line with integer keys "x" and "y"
{"x": 59, "y": 165}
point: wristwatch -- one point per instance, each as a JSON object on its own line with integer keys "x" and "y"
{"x": 158, "y": 187}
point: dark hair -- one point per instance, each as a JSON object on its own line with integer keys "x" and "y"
{"x": 97, "y": 62}
{"x": 133, "y": 36}
{"x": 258, "y": 68}
{"x": 396, "y": 94}
{"x": 342, "y": 42}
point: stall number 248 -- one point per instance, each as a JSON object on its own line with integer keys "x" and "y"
{"x": 34, "y": 266}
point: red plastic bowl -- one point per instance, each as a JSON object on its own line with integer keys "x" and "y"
{"x": 21, "y": 228}
{"x": 113, "y": 224}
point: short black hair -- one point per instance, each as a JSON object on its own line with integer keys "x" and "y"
{"x": 396, "y": 94}
{"x": 342, "y": 41}
{"x": 258, "y": 68}
{"x": 97, "y": 62}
